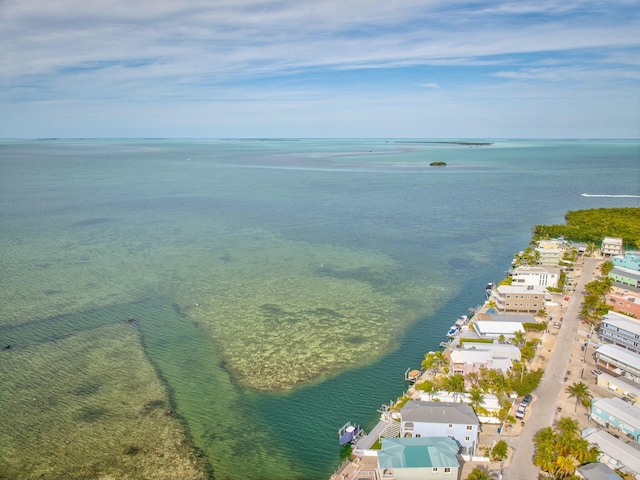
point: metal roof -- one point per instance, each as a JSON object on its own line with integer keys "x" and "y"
{"x": 423, "y": 452}
{"x": 439, "y": 412}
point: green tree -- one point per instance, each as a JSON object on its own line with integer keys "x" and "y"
{"x": 433, "y": 362}
{"x": 566, "y": 466}
{"x": 499, "y": 451}
{"x": 519, "y": 338}
{"x": 581, "y": 393}
{"x": 606, "y": 267}
{"x": 480, "y": 473}
{"x": 560, "y": 452}
{"x": 427, "y": 386}
{"x": 568, "y": 426}
{"x": 455, "y": 384}
{"x": 527, "y": 351}
{"x": 476, "y": 395}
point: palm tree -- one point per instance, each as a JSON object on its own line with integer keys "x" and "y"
{"x": 433, "y": 361}
{"x": 500, "y": 451}
{"x": 545, "y": 457}
{"x": 566, "y": 466}
{"x": 480, "y": 473}
{"x": 476, "y": 396}
{"x": 606, "y": 267}
{"x": 519, "y": 338}
{"x": 568, "y": 426}
{"x": 580, "y": 391}
{"x": 427, "y": 386}
{"x": 455, "y": 384}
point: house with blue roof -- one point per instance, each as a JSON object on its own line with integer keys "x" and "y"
{"x": 422, "y": 458}
{"x": 420, "y": 419}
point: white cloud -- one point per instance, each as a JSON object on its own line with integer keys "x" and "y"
{"x": 290, "y": 55}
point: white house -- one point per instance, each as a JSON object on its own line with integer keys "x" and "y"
{"x": 441, "y": 419}
{"x": 549, "y": 252}
{"x": 621, "y": 330}
{"x": 498, "y": 350}
{"x": 538, "y": 276}
{"x": 611, "y": 246}
{"x": 490, "y": 329}
{"x": 464, "y": 361}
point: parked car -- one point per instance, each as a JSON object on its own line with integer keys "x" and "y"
{"x": 527, "y": 400}
{"x": 557, "y": 324}
{"x": 522, "y": 409}
{"x": 596, "y": 372}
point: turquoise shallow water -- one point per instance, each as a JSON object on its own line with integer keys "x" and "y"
{"x": 280, "y": 288}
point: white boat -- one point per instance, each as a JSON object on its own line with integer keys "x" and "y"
{"x": 462, "y": 320}
{"x": 452, "y": 331}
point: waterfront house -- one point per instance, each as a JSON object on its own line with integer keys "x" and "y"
{"x": 614, "y": 452}
{"x": 490, "y": 403}
{"x": 611, "y": 246}
{"x": 630, "y": 260}
{"x": 464, "y": 361}
{"x": 618, "y": 414}
{"x": 596, "y": 471}
{"x": 619, "y": 360}
{"x": 520, "y": 298}
{"x": 549, "y": 252}
{"x": 625, "y": 277}
{"x": 620, "y": 330}
{"x": 538, "y": 276}
{"x": 418, "y": 458}
{"x": 498, "y": 350}
{"x": 621, "y": 386}
{"x": 505, "y": 317}
{"x": 495, "y": 330}
{"x": 625, "y": 302}
{"x": 441, "y": 419}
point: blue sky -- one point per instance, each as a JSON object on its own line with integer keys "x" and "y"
{"x": 320, "y": 68}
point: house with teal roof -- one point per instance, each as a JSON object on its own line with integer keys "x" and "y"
{"x": 422, "y": 458}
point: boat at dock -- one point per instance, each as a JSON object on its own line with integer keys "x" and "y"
{"x": 453, "y": 331}
{"x": 350, "y": 433}
{"x": 462, "y": 320}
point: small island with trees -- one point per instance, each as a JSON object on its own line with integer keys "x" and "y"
{"x": 438, "y": 164}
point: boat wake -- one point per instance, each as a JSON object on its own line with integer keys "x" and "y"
{"x": 611, "y": 196}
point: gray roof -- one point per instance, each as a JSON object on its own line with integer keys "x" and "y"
{"x": 623, "y": 453}
{"x": 623, "y": 322}
{"x": 597, "y": 471}
{"x": 620, "y": 354}
{"x": 439, "y": 412}
{"x": 625, "y": 272}
{"x": 619, "y": 409}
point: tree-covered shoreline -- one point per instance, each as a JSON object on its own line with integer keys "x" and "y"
{"x": 592, "y": 225}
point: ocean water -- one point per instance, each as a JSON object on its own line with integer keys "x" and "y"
{"x": 279, "y": 288}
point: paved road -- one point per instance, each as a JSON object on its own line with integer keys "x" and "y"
{"x": 544, "y": 408}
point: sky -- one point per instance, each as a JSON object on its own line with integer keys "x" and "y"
{"x": 320, "y": 68}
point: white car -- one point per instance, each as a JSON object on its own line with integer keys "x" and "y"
{"x": 522, "y": 409}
